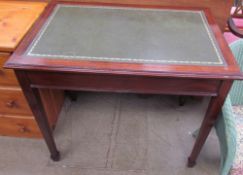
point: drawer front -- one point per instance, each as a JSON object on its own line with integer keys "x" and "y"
{"x": 13, "y": 102}
{"x": 19, "y": 127}
{"x": 124, "y": 83}
{"x": 7, "y": 76}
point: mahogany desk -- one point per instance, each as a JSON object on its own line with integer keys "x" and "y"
{"x": 118, "y": 48}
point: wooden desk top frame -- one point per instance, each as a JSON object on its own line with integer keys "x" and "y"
{"x": 19, "y": 60}
{"x": 202, "y": 80}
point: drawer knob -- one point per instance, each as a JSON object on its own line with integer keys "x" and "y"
{"x": 11, "y": 104}
{"x": 23, "y": 129}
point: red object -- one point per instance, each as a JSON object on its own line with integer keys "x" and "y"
{"x": 230, "y": 37}
{"x": 239, "y": 23}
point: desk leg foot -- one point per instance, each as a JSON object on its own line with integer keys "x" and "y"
{"x": 72, "y": 95}
{"x": 182, "y": 100}
{"x": 56, "y": 157}
{"x": 209, "y": 120}
{"x": 34, "y": 99}
{"x": 190, "y": 163}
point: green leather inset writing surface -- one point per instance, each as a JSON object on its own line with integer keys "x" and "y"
{"x": 133, "y": 35}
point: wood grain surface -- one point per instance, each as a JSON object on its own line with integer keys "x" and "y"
{"x": 7, "y": 76}
{"x": 11, "y": 125}
{"x": 13, "y": 102}
{"x": 16, "y": 18}
{"x": 16, "y": 119}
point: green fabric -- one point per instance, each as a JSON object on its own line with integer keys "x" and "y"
{"x": 225, "y": 125}
{"x": 119, "y": 34}
{"x": 236, "y": 94}
{"x": 225, "y": 129}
